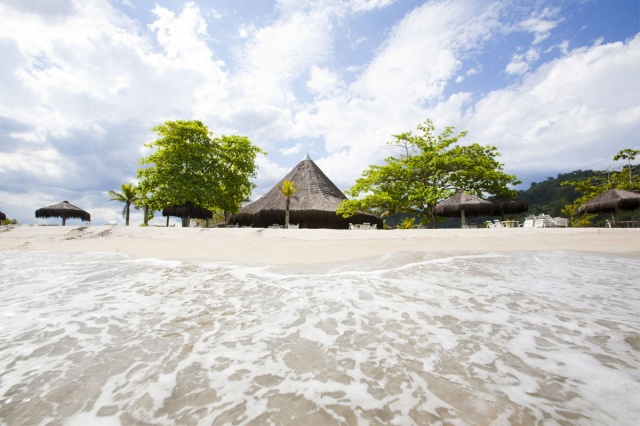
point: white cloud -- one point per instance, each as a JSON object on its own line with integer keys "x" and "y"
{"x": 324, "y": 82}
{"x": 573, "y": 113}
{"x": 517, "y": 66}
{"x": 542, "y": 24}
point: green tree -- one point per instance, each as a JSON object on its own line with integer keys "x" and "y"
{"x": 430, "y": 169}
{"x": 288, "y": 189}
{"x": 143, "y": 203}
{"x": 189, "y": 165}
{"x": 128, "y": 196}
{"x": 629, "y": 155}
{"x": 385, "y": 194}
{"x": 601, "y": 182}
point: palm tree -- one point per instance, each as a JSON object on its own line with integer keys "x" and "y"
{"x": 288, "y": 189}
{"x": 128, "y": 196}
{"x": 142, "y": 202}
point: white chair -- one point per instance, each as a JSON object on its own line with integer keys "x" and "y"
{"x": 374, "y": 226}
{"x": 497, "y": 224}
{"x": 528, "y": 223}
{"x": 561, "y": 222}
{"x": 292, "y": 226}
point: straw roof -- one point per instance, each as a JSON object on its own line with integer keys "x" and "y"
{"x": 3, "y": 216}
{"x": 505, "y": 206}
{"x": 314, "y": 205}
{"x": 470, "y": 204}
{"x": 64, "y": 210}
{"x": 188, "y": 210}
{"x": 613, "y": 199}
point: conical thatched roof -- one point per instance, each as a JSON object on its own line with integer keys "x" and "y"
{"x": 188, "y": 210}
{"x": 3, "y": 216}
{"x": 613, "y": 199}
{"x": 461, "y": 202}
{"x": 65, "y": 210}
{"x": 314, "y": 205}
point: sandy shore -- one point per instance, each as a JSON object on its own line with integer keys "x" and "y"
{"x": 307, "y": 246}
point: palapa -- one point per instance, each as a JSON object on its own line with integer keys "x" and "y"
{"x": 3, "y": 216}
{"x": 612, "y": 200}
{"x": 186, "y": 212}
{"x": 314, "y": 206}
{"x": 65, "y": 210}
{"x": 462, "y": 203}
{"x": 507, "y": 206}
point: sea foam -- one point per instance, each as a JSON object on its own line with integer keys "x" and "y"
{"x": 408, "y": 338}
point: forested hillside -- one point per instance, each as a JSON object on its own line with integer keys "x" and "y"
{"x": 550, "y": 196}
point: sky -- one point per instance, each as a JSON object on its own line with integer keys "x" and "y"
{"x": 554, "y": 85}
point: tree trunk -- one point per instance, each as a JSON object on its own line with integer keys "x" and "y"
{"x": 185, "y": 221}
{"x": 64, "y": 221}
{"x": 286, "y": 216}
{"x": 126, "y": 212}
{"x": 146, "y": 215}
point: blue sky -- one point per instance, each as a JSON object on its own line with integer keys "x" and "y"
{"x": 554, "y": 85}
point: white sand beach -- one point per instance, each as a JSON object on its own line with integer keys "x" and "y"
{"x": 307, "y": 246}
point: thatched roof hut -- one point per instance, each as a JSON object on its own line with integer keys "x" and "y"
{"x": 461, "y": 204}
{"x": 314, "y": 205}
{"x": 612, "y": 200}
{"x": 509, "y": 206}
{"x": 65, "y": 210}
{"x": 3, "y": 216}
{"x": 186, "y": 212}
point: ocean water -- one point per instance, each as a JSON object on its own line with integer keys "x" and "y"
{"x": 496, "y": 339}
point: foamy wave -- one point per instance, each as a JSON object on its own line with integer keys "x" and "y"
{"x": 405, "y": 339}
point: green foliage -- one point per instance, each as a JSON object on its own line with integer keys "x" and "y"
{"x": 128, "y": 196}
{"x": 407, "y": 223}
{"x": 428, "y": 170}
{"x": 190, "y": 165}
{"x": 8, "y": 221}
{"x": 629, "y": 155}
{"x": 563, "y": 195}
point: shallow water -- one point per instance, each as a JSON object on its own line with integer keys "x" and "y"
{"x": 519, "y": 338}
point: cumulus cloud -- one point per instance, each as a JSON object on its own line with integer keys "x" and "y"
{"x": 573, "y": 113}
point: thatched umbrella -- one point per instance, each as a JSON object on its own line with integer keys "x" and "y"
{"x": 3, "y": 216}
{"x": 462, "y": 203}
{"x": 186, "y": 212}
{"x": 506, "y": 206}
{"x": 314, "y": 207}
{"x": 65, "y": 210}
{"x": 612, "y": 200}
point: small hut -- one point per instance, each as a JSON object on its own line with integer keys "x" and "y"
{"x": 187, "y": 212}
{"x": 505, "y": 206}
{"x": 65, "y": 210}
{"x": 612, "y": 200}
{"x": 314, "y": 205}
{"x": 461, "y": 204}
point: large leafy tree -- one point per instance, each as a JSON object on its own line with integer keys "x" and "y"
{"x": 128, "y": 196}
{"x": 429, "y": 169}
{"x": 189, "y": 165}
